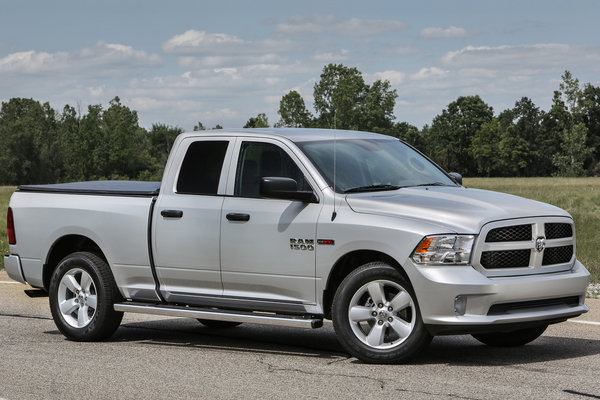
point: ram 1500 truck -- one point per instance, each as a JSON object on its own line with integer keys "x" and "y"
{"x": 292, "y": 226}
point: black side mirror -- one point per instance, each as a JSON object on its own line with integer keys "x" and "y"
{"x": 285, "y": 188}
{"x": 456, "y": 177}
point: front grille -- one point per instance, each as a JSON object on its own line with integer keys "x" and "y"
{"x": 557, "y": 255}
{"x": 558, "y": 230}
{"x": 505, "y": 259}
{"x": 505, "y": 308}
{"x": 513, "y": 233}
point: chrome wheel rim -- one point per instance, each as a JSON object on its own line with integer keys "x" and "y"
{"x": 77, "y": 298}
{"x": 382, "y": 314}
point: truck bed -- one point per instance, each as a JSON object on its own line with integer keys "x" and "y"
{"x": 102, "y": 188}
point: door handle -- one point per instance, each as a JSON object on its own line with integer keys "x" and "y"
{"x": 238, "y": 217}
{"x": 172, "y": 213}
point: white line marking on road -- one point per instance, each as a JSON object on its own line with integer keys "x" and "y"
{"x": 11, "y": 283}
{"x": 585, "y": 322}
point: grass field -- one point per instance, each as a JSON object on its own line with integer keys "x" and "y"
{"x": 579, "y": 196}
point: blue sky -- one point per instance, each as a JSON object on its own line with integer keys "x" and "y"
{"x": 180, "y": 62}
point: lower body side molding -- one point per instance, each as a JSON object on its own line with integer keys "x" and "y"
{"x": 220, "y": 315}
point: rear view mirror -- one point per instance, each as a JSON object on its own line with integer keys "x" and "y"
{"x": 285, "y": 188}
{"x": 456, "y": 177}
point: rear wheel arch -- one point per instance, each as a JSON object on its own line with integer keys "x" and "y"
{"x": 348, "y": 263}
{"x": 64, "y": 246}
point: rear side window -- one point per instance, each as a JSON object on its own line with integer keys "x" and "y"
{"x": 201, "y": 167}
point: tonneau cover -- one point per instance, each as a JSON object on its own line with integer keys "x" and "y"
{"x": 105, "y": 188}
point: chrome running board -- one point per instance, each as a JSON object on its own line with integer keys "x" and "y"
{"x": 220, "y": 315}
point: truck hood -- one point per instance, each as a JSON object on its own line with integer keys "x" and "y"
{"x": 458, "y": 209}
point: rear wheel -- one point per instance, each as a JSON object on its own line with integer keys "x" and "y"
{"x": 511, "y": 339}
{"x": 82, "y": 294}
{"x": 213, "y": 323}
{"x": 376, "y": 315}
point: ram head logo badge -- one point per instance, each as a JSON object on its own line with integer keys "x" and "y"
{"x": 540, "y": 244}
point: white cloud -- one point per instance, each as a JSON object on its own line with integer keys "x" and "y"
{"x": 100, "y": 59}
{"x": 331, "y": 57}
{"x": 451, "y": 32}
{"x": 395, "y": 77}
{"x": 428, "y": 73}
{"x": 320, "y": 24}
{"x": 193, "y": 40}
{"x": 203, "y": 44}
{"x": 532, "y": 58}
{"x": 401, "y": 50}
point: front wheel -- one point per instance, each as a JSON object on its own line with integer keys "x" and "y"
{"x": 511, "y": 339}
{"x": 82, "y": 294}
{"x": 376, "y": 315}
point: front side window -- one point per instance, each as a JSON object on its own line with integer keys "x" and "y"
{"x": 372, "y": 164}
{"x": 201, "y": 167}
{"x": 258, "y": 160}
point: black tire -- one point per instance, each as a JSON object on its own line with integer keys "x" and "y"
{"x": 354, "y": 336}
{"x": 84, "y": 322}
{"x": 213, "y": 323}
{"x": 511, "y": 339}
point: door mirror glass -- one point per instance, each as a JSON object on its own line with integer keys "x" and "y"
{"x": 285, "y": 188}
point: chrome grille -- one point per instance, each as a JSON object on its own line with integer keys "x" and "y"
{"x": 557, "y": 255}
{"x": 505, "y": 259}
{"x": 557, "y": 231}
{"x": 525, "y": 246}
{"x": 514, "y": 233}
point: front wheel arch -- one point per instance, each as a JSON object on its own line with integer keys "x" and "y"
{"x": 346, "y": 265}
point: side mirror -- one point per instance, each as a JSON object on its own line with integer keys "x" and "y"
{"x": 285, "y": 188}
{"x": 456, "y": 177}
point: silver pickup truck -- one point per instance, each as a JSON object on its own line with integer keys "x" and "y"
{"x": 292, "y": 226}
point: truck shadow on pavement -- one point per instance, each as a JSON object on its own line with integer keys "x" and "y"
{"x": 322, "y": 343}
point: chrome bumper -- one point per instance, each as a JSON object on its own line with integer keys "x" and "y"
{"x": 462, "y": 296}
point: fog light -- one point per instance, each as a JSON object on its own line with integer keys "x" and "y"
{"x": 460, "y": 305}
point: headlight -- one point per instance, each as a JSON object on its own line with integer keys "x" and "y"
{"x": 444, "y": 250}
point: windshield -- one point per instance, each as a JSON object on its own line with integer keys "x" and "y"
{"x": 373, "y": 165}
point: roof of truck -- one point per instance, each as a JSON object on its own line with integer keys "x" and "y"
{"x": 295, "y": 134}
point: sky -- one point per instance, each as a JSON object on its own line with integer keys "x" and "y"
{"x": 179, "y": 62}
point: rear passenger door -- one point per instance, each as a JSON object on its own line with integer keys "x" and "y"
{"x": 187, "y": 220}
{"x": 268, "y": 245}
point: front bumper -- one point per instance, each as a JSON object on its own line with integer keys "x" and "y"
{"x": 12, "y": 263}
{"x": 458, "y": 299}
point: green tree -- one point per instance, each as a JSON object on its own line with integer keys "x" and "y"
{"x": 377, "y": 111}
{"x": 485, "y": 148}
{"x": 199, "y": 127}
{"x": 568, "y": 109}
{"x": 218, "y": 127}
{"x": 338, "y": 97}
{"x": 260, "y": 121}
{"x": 161, "y": 138}
{"x": 125, "y": 141}
{"x": 293, "y": 112}
{"x": 409, "y": 133}
{"x": 450, "y": 135}
{"x": 574, "y": 151}
{"x": 29, "y": 142}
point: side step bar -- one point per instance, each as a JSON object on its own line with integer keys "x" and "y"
{"x": 220, "y": 315}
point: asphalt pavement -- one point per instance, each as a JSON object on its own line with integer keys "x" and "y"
{"x": 156, "y": 357}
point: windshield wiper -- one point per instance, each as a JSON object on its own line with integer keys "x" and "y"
{"x": 432, "y": 184}
{"x": 372, "y": 188}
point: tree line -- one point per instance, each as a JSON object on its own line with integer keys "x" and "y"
{"x": 41, "y": 145}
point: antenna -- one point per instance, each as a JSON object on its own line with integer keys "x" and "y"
{"x": 334, "y": 214}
